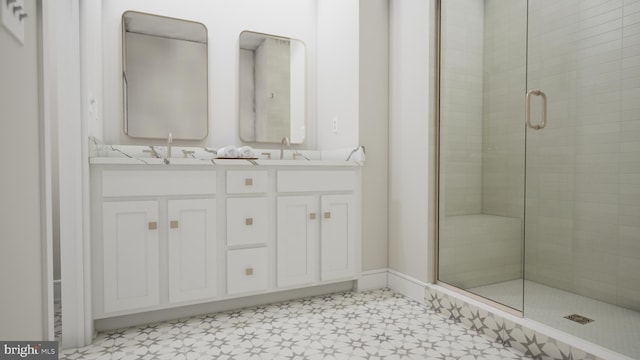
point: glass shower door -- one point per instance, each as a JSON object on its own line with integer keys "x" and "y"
{"x": 582, "y": 232}
{"x": 482, "y": 148}
{"x": 539, "y": 161}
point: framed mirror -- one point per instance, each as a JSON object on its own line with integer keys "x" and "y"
{"x": 272, "y": 88}
{"x": 164, "y": 77}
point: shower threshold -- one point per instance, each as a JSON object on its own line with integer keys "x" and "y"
{"x": 613, "y": 327}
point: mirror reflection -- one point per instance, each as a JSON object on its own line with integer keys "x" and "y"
{"x": 272, "y": 88}
{"x": 164, "y": 77}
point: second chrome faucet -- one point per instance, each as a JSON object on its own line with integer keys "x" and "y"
{"x": 285, "y": 141}
{"x": 167, "y": 158}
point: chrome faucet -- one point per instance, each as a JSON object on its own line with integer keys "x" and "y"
{"x": 285, "y": 140}
{"x": 167, "y": 158}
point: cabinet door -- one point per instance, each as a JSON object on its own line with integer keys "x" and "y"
{"x": 192, "y": 249}
{"x": 297, "y": 240}
{"x": 337, "y": 239}
{"x": 130, "y": 255}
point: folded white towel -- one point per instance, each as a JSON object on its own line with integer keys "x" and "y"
{"x": 246, "y": 152}
{"x": 227, "y": 152}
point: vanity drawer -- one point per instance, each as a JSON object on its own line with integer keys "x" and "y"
{"x": 157, "y": 182}
{"x": 246, "y": 182}
{"x": 247, "y": 270}
{"x": 314, "y": 180}
{"x": 247, "y": 221}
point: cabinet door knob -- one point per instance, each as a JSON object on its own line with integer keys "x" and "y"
{"x": 173, "y": 224}
{"x": 312, "y": 216}
{"x": 327, "y": 215}
{"x": 153, "y": 225}
{"x": 248, "y": 181}
{"x": 248, "y": 271}
{"x": 248, "y": 221}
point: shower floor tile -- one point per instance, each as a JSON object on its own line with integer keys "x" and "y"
{"x": 377, "y": 324}
{"x": 614, "y": 327}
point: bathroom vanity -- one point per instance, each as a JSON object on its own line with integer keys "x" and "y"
{"x": 194, "y": 231}
{"x": 167, "y": 232}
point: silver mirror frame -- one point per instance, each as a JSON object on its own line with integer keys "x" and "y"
{"x": 158, "y": 28}
{"x": 293, "y": 139}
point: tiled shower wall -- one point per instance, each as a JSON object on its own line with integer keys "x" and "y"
{"x": 505, "y": 59}
{"x": 461, "y": 105}
{"x": 476, "y": 248}
{"x": 583, "y": 169}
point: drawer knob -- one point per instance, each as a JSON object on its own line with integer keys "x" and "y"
{"x": 248, "y": 271}
{"x": 248, "y": 221}
{"x": 153, "y": 225}
{"x": 173, "y": 224}
{"x": 312, "y": 216}
{"x": 248, "y": 181}
{"x": 327, "y": 215}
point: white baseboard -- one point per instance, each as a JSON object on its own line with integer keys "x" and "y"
{"x": 407, "y": 286}
{"x": 124, "y": 321}
{"x": 369, "y": 280}
{"x": 396, "y": 281}
{"x": 372, "y": 279}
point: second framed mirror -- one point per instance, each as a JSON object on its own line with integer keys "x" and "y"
{"x": 272, "y": 88}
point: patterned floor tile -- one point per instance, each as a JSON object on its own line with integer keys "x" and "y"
{"x": 57, "y": 317}
{"x": 377, "y": 324}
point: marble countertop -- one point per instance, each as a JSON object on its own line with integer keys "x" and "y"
{"x": 217, "y": 162}
{"x": 139, "y": 155}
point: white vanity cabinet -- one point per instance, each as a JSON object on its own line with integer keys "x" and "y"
{"x": 169, "y": 236}
{"x": 317, "y": 232}
{"x": 156, "y": 243}
{"x": 131, "y": 252}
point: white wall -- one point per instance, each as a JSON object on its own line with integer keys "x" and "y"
{"x": 338, "y": 64}
{"x": 374, "y": 131}
{"x": 329, "y": 29}
{"x": 72, "y": 119}
{"x": 225, "y": 20}
{"x": 409, "y": 137}
{"x": 21, "y": 279}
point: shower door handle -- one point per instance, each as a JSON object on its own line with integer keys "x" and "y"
{"x": 527, "y": 110}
